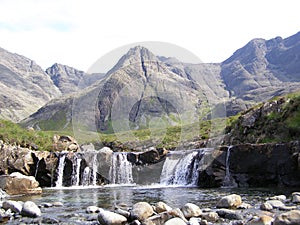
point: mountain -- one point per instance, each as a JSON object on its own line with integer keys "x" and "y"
{"x": 24, "y": 86}
{"x": 69, "y": 79}
{"x": 144, "y": 90}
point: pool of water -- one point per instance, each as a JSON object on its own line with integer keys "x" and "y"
{"x": 76, "y": 199}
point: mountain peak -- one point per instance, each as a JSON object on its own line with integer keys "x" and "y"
{"x": 137, "y": 54}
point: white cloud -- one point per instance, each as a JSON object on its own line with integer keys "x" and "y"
{"x": 77, "y": 32}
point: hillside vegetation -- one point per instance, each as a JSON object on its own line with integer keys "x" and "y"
{"x": 276, "y": 121}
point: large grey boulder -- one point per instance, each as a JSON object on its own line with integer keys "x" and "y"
{"x": 30, "y": 209}
{"x": 175, "y": 221}
{"x": 141, "y": 211}
{"x": 191, "y": 210}
{"x": 230, "y": 201}
{"x": 110, "y": 218}
{"x": 14, "y": 206}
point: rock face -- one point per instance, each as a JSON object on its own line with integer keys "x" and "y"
{"x": 16, "y": 184}
{"x": 71, "y": 80}
{"x": 34, "y": 87}
{"x": 65, "y": 143}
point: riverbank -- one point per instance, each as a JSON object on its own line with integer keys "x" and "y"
{"x": 75, "y": 207}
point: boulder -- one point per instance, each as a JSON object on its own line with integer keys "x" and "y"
{"x": 266, "y": 206}
{"x": 276, "y": 203}
{"x": 17, "y": 183}
{"x": 175, "y": 221}
{"x": 151, "y": 156}
{"x": 296, "y": 197}
{"x": 191, "y": 210}
{"x": 30, "y": 209}
{"x": 141, "y": 211}
{"x": 110, "y": 218}
{"x": 14, "y": 206}
{"x": 230, "y": 201}
{"x": 288, "y": 218}
{"x": 229, "y": 214}
{"x": 261, "y": 220}
{"x": 278, "y": 197}
{"x": 162, "y": 207}
{"x": 210, "y": 216}
{"x": 161, "y": 218}
{"x": 65, "y": 143}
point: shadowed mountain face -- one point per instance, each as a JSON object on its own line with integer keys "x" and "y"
{"x": 144, "y": 90}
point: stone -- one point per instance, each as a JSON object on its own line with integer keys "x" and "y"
{"x": 30, "y": 209}
{"x": 3, "y": 194}
{"x": 58, "y": 204}
{"x": 278, "y": 197}
{"x": 210, "y": 216}
{"x": 65, "y": 143}
{"x": 230, "y": 201}
{"x": 141, "y": 211}
{"x": 175, "y": 221}
{"x": 135, "y": 222}
{"x": 122, "y": 212}
{"x": 194, "y": 221}
{"x": 92, "y": 209}
{"x": 110, "y": 218}
{"x": 229, "y": 214}
{"x": 17, "y": 183}
{"x": 191, "y": 210}
{"x": 288, "y": 218}
{"x": 266, "y": 206}
{"x": 296, "y": 197}
{"x": 14, "y": 206}
{"x": 162, "y": 207}
{"x": 244, "y": 206}
{"x": 261, "y": 220}
{"x": 275, "y": 203}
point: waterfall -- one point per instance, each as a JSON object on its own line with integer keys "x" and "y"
{"x": 37, "y": 168}
{"x": 86, "y": 176}
{"x": 94, "y": 170}
{"x": 60, "y": 170}
{"x": 180, "y": 168}
{"x": 76, "y": 172}
{"x": 121, "y": 169}
{"x": 228, "y": 180}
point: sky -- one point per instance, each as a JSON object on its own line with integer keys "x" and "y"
{"x": 79, "y": 32}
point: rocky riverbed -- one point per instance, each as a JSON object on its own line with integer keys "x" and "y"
{"x": 151, "y": 206}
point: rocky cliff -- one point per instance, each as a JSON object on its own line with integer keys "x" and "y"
{"x": 24, "y": 86}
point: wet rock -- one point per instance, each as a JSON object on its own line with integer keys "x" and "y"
{"x": 161, "y": 207}
{"x": 14, "y": 206}
{"x": 141, "y": 211}
{"x": 230, "y": 201}
{"x": 110, "y": 218}
{"x": 275, "y": 203}
{"x": 17, "y": 184}
{"x": 194, "y": 221}
{"x": 244, "y": 206}
{"x": 278, "y": 197}
{"x": 135, "y": 222}
{"x": 175, "y": 221}
{"x": 210, "y": 216}
{"x": 266, "y": 206}
{"x": 58, "y": 204}
{"x": 262, "y": 220}
{"x": 296, "y": 197}
{"x": 30, "y": 209}
{"x": 191, "y": 210}
{"x": 92, "y": 209}
{"x": 288, "y": 218}
{"x": 229, "y": 214}
{"x": 122, "y": 212}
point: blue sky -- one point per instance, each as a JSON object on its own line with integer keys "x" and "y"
{"x": 77, "y": 33}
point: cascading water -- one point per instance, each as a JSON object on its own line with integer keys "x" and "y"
{"x": 121, "y": 169}
{"x": 86, "y": 176}
{"x": 180, "y": 168}
{"x": 228, "y": 180}
{"x": 94, "y": 170}
{"x": 60, "y": 170}
{"x": 76, "y": 172}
